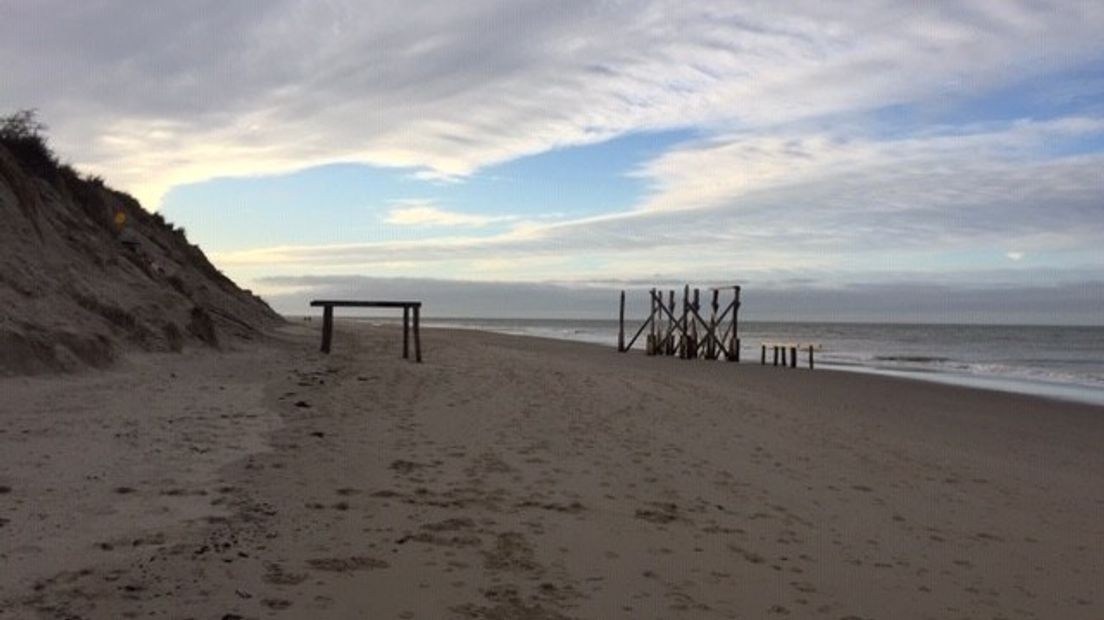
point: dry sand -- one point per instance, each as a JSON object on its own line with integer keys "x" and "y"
{"x": 524, "y": 478}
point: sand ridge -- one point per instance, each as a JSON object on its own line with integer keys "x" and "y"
{"x": 522, "y": 478}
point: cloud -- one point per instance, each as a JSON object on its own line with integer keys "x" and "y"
{"x": 422, "y": 213}
{"x": 793, "y": 185}
{"x": 748, "y": 200}
{"x": 160, "y": 95}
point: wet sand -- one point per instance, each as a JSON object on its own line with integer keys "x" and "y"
{"x": 523, "y": 478}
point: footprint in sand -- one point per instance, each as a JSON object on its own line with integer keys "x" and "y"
{"x": 511, "y": 552}
{"x": 347, "y": 565}
{"x": 275, "y": 574}
{"x": 660, "y": 512}
{"x": 406, "y": 467}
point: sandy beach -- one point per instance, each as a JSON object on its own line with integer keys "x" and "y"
{"x": 512, "y": 477}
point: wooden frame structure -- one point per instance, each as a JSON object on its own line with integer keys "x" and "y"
{"x": 685, "y": 332}
{"x": 328, "y": 305}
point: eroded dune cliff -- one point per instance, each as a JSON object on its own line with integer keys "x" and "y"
{"x": 86, "y": 273}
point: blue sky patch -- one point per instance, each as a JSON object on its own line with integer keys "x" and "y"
{"x": 350, "y": 203}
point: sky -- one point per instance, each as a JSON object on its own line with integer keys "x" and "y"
{"x": 896, "y": 161}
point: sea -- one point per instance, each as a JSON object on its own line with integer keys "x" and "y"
{"x": 1058, "y": 362}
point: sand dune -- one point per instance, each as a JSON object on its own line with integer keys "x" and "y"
{"x": 523, "y": 478}
{"x": 80, "y": 289}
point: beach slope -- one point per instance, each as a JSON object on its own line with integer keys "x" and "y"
{"x": 513, "y": 477}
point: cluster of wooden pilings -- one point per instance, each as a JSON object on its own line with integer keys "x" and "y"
{"x": 684, "y": 332}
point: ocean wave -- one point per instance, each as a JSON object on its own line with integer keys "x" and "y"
{"x": 919, "y": 359}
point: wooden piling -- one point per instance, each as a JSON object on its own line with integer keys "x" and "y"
{"x": 793, "y": 357}
{"x": 406, "y": 333}
{"x": 621, "y": 325}
{"x": 693, "y": 354}
{"x": 657, "y": 299}
{"x": 734, "y": 346}
{"x": 784, "y": 364}
{"x": 417, "y": 334}
{"x": 810, "y": 357}
{"x": 694, "y": 325}
{"x": 327, "y": 328}
{"x": 671, "y": 331}
{"x": 775, "y": 355}
{"x": 763, "y": 360}
{"x": 685, "y": 339}
{"x": 712, "y": 352}
{"x": 661, "y": 334}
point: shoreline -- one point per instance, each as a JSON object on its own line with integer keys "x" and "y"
{"x": 1047, "y": 389}
{"x": 538, "y": 478}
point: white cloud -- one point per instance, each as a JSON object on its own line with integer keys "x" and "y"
{"x": 903, "y": 171}
{"x": 159, "y": 95}
{"x": 421, "y": 213}
{"x": 749, "y": 201}
{"x": 787, "y": 182}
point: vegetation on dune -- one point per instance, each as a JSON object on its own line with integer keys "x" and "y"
{"x": 25, "y": 136}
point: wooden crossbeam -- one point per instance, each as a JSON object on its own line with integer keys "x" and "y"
{"x": 675, "y": 323}
{"x": 645, "y": 324}
{"x": 710, "y": 332}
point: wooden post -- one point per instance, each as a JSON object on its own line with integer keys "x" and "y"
{"x": 784, "y": 364}
{"x": 793, "y": 357}
{"x": 693, "y": 340}
{"x": 763, "y": 360}
{"x": 406, "y": 332}
{"x": 650, "y": 341}
{"x": 734, "y": 348}
{"x": 684, "y": 340}
{"x": 694, "y": 325}
{"x": 327, "y": 328}
{"x": 660, "y": 328}
{"x": 810, "y": 357}
{"x": 417, "y": 334}
{"x": 712, "y": 353}
{"x": 775, "y": 355}
{"x": 669, "y": 345}
{"x": 621, "y": 326}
